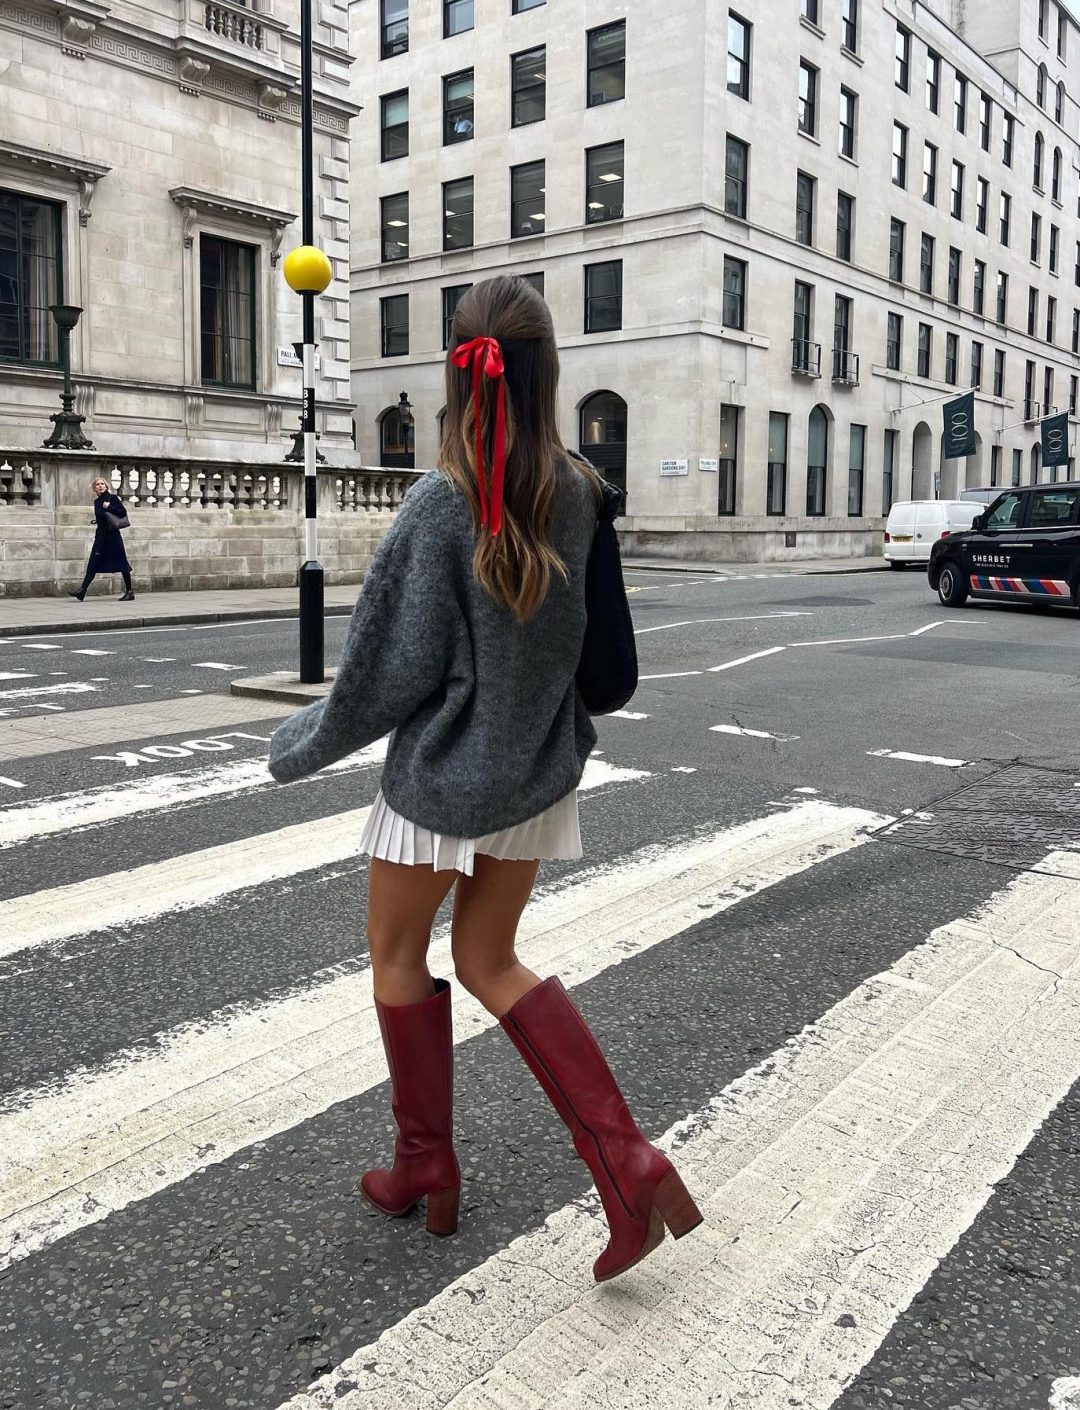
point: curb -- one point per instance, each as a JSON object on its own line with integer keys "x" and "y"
{"x": 170, "y": 619}
{"x": 639, "y": 565}
{"x": 284, "y": 686}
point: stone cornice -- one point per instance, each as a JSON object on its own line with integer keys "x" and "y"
{"x": 77, "y": 170}
{"x": 193, "y": 203}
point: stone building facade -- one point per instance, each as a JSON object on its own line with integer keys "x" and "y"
{"x": 772, "y": 237}
{"x": 150, "y": 174}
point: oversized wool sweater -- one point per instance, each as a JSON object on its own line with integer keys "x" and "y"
{"x": 488, "y": 726}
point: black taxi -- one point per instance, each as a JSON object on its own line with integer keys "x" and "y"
{"x": 1025, "y": 546}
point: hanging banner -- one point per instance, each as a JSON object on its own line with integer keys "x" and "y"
{"x": 960, "y": 427}
{"x": 1055, "y": 440}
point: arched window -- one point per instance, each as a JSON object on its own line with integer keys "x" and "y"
{"x": 1055, "y": 189}
{"x": 602, "y": 435}
{"x": 1040, "y": 148}
{"x": 1036, "y": 462}
{"x": 1040, "y": 86}
{"x": 817, "y": 463}
{"x": 1059, "y": 105}
{"x": 397, "y": 444}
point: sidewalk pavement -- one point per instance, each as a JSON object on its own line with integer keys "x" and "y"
{"x": 45, "y": 616}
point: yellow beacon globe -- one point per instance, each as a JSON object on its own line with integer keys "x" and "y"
{"x": 307, "y": 270}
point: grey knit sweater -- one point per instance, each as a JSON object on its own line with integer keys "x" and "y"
{"x": 488, "y": 727}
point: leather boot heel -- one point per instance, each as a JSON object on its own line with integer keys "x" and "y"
{"x": 676, "y": 1205}
{"x": 442, "y": 1211}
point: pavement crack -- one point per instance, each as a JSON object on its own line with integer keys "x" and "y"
{"x": 1059, "y": 979}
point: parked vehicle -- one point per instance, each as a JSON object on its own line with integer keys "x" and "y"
{"x": 915, "y": 524}
{"x": 1025, "y": 546}
{"x": 981, "y": 494}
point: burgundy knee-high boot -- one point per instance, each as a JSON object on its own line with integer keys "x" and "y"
{"x": 639, "y": 1188}
{"x": 419, "y": 1044}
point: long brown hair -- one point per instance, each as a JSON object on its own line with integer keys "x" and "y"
{"x": 515, "y": 566}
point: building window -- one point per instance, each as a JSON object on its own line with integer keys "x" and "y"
{"x": 1051, "y": 319}
{"x": 603, "y": 297}
{"x": 978, "y": 292}
{"x": 535, "y": 281}
{"x": 802, "y": 326}
{"x": 458, "y": 214}
{"x": 899, "y": 154}
{"x": 1044, "y": 14}
{"x": 394, "y": 28}
{"x": 845, "y": 225}
{"x": 31, "y": 278}
{"x": 1055, "y": 177}
{"x": 849, "y": 107}
{"x": 606, "y": 79}
{"x": 1033, "y": 310}
{"x": 457, "y": 17}
{"x": 729, "y": 458}
{"x": 1006, "y": 217}
{"x": 527, "y": 199}
{"x": 520, "y": 6}
{"x": 952, "y": 354}
{"x": 809, "y": 10}
{"x": 1031, "y": 406}
{"x": 1017, "y": 466}
{"x": 843, "y": 363}
{"x": 528, "y": 87}
{"x": 929, "y": 182}
{"x": 1076, "y": 271}
{"x": 1074, "y": 387}
{"x": 1040, "y": 85}
{"x": 1008, "y": 132}
{"x": 602, "y": 433}
{"x": 1048, "y": 392}
{"x": 1063, "y": 33}
{"x": 896, "y": 251}
{"x": 397, "y": 440}
{"x": 995, "y": 467}
{"x": 849, "y": 25}
{"x": 1059, "y": 105}
{"x": 958, "y": 190}
{"x": 808, "y": 87}
{"x": 894, "y": 342}
{"x": 926, "y": 265}
{"x": 933, "y": 81}
{"x": 1076, "y": 330}
{"x": 458, "y": 89}
{"x": 888, "y": 470}
{"x": 817, "y": 461}
{"x": 955, "y": 261}
{"x": 926, "y": 350}
{"x": 856, "y": 462}
{"x": 451, "y": 297}
{"x": 738, "y": 56}
{"x": 776, "y": 487}
{"x": 804, "y": 208}
{"x": 1002, "y": 311}
{"x": 734, "y": 293}
{"x": 394, "y": 222}
{"x": 1036, "y": 237}
{"x": 999, "y": 372}
{"x": 394, "y": 121}
{"x": 604, "y": 183}
{"x": 1037, "y": 175}
{"x": 737, "y": 170}
{"x": 1054, "y": 247}
{"x": 982, "y": 205}
{"x": 976, "y": 364}
{"x": 227, "y": 312}
{"x": 903, "y": 59}
{"x": 960, "y": 104}
{"x": 986, "y": 120}
{"x": 394, "y": 320}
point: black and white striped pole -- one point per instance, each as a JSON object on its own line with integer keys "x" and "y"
{"x": 308, "y": 272}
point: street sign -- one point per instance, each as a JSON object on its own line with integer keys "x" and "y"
{"x": 674, "y": 467}
{"x": 287, "y": 358}
{"x": 708, "y": 467}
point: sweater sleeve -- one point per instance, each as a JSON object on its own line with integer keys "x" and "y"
{"x": 397, "y": 652}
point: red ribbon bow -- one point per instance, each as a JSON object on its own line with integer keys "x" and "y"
{"x": 487, "y": 360}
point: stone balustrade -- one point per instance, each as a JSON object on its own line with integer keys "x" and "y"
{"x": 194, "y": 524}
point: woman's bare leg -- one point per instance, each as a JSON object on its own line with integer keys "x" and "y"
{"x": 402, "y": 905}
{"x": 487, "y": 909}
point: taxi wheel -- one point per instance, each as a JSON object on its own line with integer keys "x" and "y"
{"x": 952, "y": 589}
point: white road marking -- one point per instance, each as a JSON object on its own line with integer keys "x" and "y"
{"x": 11, "y": 782}
{"x": 142, "y": 687}
{"x": 671, "y": 676}
{"x": 626, "y": 715}
{"x": 106, "y": 1137}
{"x": 191, "y": 692}
{"x": 61, "y": 688}
{"x": 834, "y": 1177}
{"x": 17, "y": 675}
{"x": 682, "y": 769}
{"x": 216, "y": 665}
{"x": 742, "y": 660}
{"x": 917, "y": 758}
{"x": 158, "y": 660}
{"x": 804, "y": 790}
{"x": 90, "y": 651}
{"x": 852, "y": 640}
{"x": 1065, "y": 1394}
{"x": 38, "y": 646}
{"x": 706, "y": 621}
{"x": 751, "y": 733}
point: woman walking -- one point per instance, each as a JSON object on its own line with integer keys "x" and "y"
{"x": 107, "y": 554}
{"x": 465, "y": 642}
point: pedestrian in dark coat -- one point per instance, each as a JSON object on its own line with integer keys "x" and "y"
{"x": 108, "y": 554}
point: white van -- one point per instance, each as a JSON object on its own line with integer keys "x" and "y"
{"x": 915, "y": 524}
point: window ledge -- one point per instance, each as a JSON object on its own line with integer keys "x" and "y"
{"x": 811, "y": 26}
{"x": 810, "y": 137}
{"x": 851, "y": 55}
{"x": 851, "y": 161}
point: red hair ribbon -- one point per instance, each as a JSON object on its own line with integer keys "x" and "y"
{"x": 487, "y": 359}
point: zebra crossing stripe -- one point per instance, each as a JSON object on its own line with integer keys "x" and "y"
{"x": 833, "y": 1177}
{"x": 106, "y": 1137}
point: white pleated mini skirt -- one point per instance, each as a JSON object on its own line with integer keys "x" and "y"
{"x": 551, "y": 835}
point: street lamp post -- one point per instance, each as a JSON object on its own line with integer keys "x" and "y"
{"x": 308, "y": 272}
{"x": 67, "y": 424}
{"x": 296, "y": 451}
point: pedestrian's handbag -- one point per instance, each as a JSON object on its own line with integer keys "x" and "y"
{"x": 117, "y": 521}
{"x": 607, "y": 673}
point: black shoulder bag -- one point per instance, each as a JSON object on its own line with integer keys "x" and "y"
{"x": 607, "y": 674}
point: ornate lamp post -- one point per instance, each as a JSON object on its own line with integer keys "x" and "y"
{"x": 67, "y": 425}
{"x": 407, "y": 420}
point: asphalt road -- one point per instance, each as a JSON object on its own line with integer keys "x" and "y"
{"x": 212, "y": 1255}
